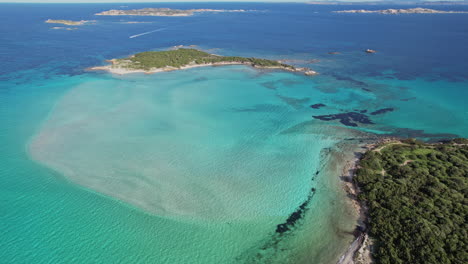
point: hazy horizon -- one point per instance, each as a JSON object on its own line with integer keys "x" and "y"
{"x": 214, "y": 1}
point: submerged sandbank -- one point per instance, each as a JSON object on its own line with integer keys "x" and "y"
{"x": 202, "y": 150}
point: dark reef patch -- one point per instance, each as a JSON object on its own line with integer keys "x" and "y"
{"x": 317, "y": 106}
{"x": 294, "y": 102}
{"x": 382, "y": 111}
{"x": 268, "y": 250}
{"x": 289, "y": 82}
{"x": 306, "y": 127}
{"x": 265, "y": 108}
{"x": 416, "y": 133}
{"x": 295, "y": 216}
{"x": 269, "y": 85}
{"x": 200, "y": 79}
{"x": 348, "y": 119}
{"x": 360, "y": 111}
{"x": 364, "y": 86}
{"x": 407, "y": 99}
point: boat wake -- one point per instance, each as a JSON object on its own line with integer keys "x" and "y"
{"x": 146, "y": 33}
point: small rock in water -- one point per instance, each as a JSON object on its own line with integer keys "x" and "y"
{"x": 382, "y": 111}
{"x": 317, "y": 106}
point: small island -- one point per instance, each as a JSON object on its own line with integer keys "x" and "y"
{"x": 417, "y": 10}
{"x": 67, "y": 22}
{"x": 161, "y": 12}
{"x": 182, "y": 58}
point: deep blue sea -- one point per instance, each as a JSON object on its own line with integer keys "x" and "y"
{"x": 209, "y": 165}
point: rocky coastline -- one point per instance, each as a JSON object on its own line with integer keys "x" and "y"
{"x": 67, "y": 22}
{"x": 417, "y": 10}
{"x": 359, "y": 251}
{"x": 163, "y": 12}
{"x": 116, "y": 69}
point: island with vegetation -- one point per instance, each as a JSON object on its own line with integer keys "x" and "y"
{"x": 415, "y": 195}
{"x": 417, "y": 10}
{"x": 183, "y": 58}
{"x": 162, "y": 12}
{"x": 67, "y": 22}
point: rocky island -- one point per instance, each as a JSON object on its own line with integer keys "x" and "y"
{"x": 67, "y": 22}
{"x": 161, "y": 12}
{"x": 417, "y": 10}
{"x": 170, "y": 60}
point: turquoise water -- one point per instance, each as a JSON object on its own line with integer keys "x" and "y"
{"x": 215, "y": 142}
{"x": 208, "y": 165}
{"x": 165, "y": 142}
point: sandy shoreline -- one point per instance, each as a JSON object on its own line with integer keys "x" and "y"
{"x": 359, "y": 252}
{"x": 121, "y": 71}
{"x": 358, "y": 248}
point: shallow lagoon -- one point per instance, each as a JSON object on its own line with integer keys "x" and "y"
{"x": 215, "y": 150}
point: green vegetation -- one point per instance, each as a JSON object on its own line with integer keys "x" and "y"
{"x": 182, "y": 57}
{"x": 416, "y": 197}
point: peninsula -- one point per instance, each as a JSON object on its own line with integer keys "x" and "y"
{"x": 67, "y": 22}
{"x": 161, "y": 12}
{"x": 170, "y": 60}
{"x": 414, "y": 196}
{"x": 417, "y": 10}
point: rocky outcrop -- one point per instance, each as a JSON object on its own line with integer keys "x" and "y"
{"x": 161, "y": 12}
{"x": 417, "y": 10}
{"x": 67, "y": 22}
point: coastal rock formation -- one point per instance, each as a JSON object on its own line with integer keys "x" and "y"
{"x": 161, "y": 12}
{"x": 417, "y": 10}
{"x": 67, "y": 22}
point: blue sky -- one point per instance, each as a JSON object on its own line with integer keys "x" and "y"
{"x": 141, "y": 1}
{"x": 154, "y": 1}
{"x": 147, "y": 1}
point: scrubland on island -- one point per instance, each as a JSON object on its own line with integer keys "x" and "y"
{"x": 183, "y": 58}
{"x": 415, "y": 194}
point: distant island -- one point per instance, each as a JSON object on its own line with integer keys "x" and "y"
{"x": 161, "y": 12}
{"x": 67, "y": 22}
{"x": 391, "y": 2}
{"x": 182, "y": 58}
{"x": 418, "y": 10}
